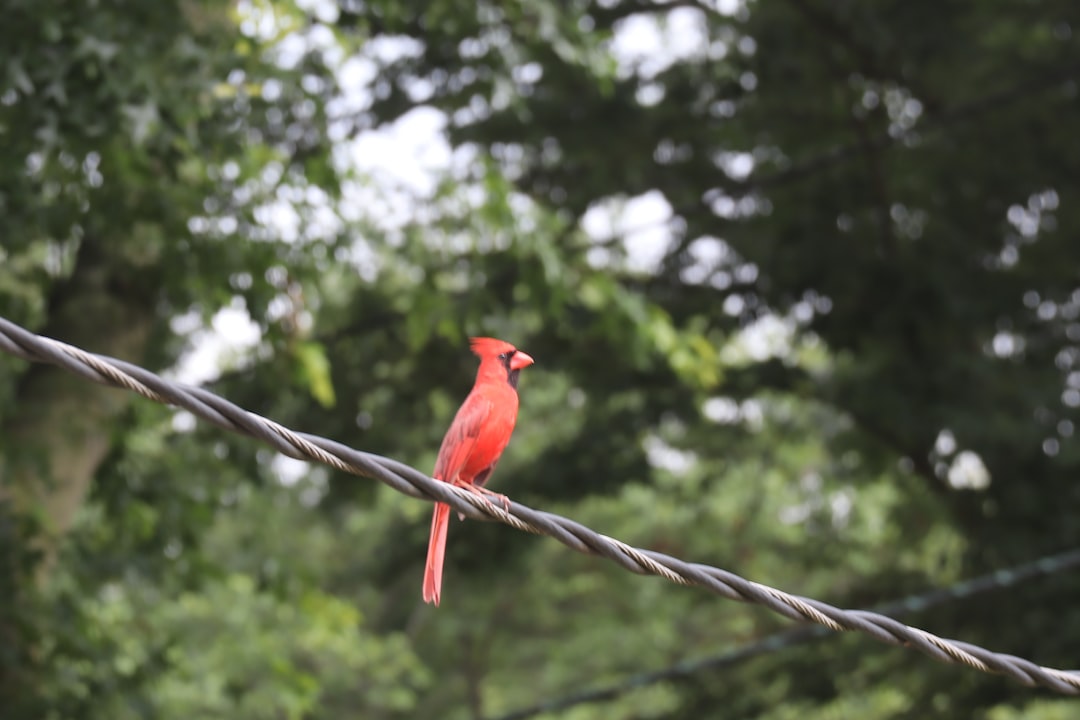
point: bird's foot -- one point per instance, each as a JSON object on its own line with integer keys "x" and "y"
{"x": 488, "y": 495}
{"x": 497, "y": 497}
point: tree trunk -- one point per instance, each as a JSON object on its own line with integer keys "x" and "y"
{"x": 57, "y": 436}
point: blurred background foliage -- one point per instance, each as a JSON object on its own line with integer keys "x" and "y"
{"x": 802, "y": 280}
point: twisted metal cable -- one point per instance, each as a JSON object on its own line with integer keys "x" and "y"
{"x": 24, "y": 344}
{"x": 996, "y": 580}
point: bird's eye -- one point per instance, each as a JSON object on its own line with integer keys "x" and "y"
{"x": 502, "y": 356}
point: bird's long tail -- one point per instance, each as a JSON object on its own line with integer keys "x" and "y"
{"x": 440, "y": 522}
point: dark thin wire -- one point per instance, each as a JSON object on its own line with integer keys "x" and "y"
{"x": 997, "y": 580}
{"x": 109, "y": 371}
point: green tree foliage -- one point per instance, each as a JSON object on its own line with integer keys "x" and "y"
{"x": 843, "y": 362}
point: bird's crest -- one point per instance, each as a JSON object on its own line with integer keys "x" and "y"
{"x": 485, "y": 347}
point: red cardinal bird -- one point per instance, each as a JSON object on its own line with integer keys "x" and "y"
{"x": 475, "y": 440}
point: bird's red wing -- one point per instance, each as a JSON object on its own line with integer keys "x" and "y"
{"x": 460, "y": 439}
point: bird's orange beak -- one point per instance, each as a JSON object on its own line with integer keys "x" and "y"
{"x": 520, "y": 360}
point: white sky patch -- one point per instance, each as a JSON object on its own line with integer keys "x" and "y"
{"x": 183, "y": 421}
{"x": 736, "y": 165}
{"x": 231, "y": 336}
{"x": 258, "y": 22}
{"x": 664, "y": 456}
{"x": 411, "y": 152}
{"x": 1006, "y": 344}
{"x": 968, "y": 472}
{"x": 767, "y": 337}
{"x": 945, "y": 444}
{"x": 728, "y": 411}
{"x": 397, "y": 169}
{"x": 354, "y": 77}
{"x": 753, "y": 414}
{"x": 722, "y": 410}
{"x": 287, "y": 470}
{"x": 645, "y": 221}
{"x": 363, "y": 258}
{"x": 727, "y": 7}
{"x": 709, "y": 254}
{"x": 282, "y": 217}
{"x": 325, "y": 11}
{"x": 645, "y": 45}
{"x": 641, "y": 221}
{"x": 841, "y": 503}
